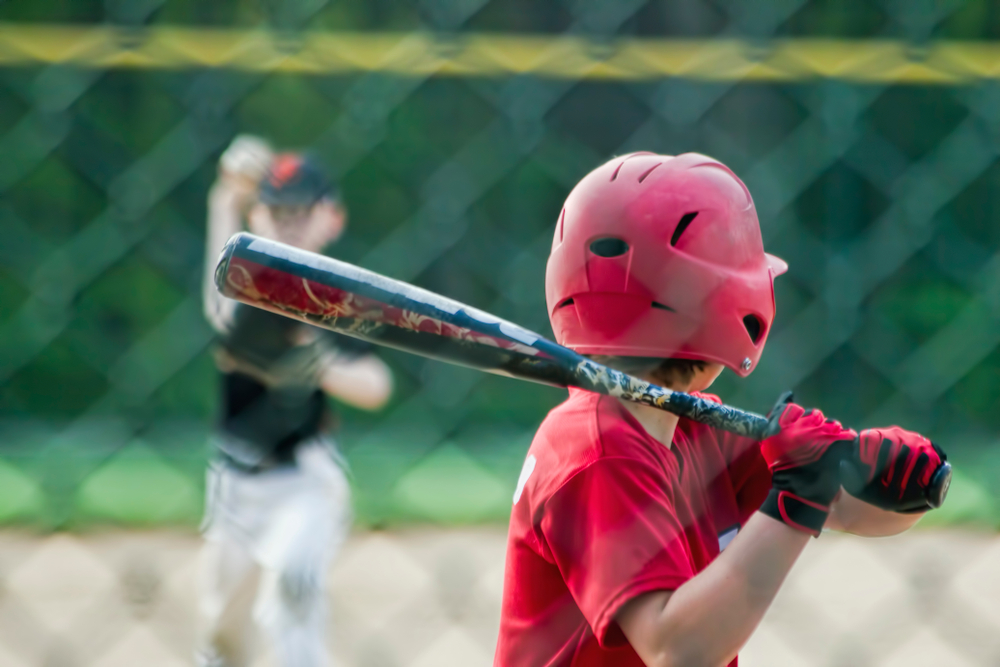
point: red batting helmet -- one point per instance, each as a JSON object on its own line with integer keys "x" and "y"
{"x": 661, "y": 256}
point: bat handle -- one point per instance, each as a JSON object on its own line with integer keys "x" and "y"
{"x": 741, "y": 422}
{"x": 719, "y": 415}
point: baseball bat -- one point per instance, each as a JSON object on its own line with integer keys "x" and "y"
{"x": 350, "y": 300}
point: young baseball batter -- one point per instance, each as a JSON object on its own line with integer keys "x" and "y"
{"x": 639, "y": 538}
{"x": 277, "y": 501}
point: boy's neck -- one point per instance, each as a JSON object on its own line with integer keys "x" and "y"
{"x": 659, "y": 424}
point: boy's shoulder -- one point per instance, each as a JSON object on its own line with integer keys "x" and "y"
{"x": 582, "y": 430}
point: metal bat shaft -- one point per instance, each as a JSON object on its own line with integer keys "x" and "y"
{"x": 353, "y": 301}
{"x": 360, "y": 303}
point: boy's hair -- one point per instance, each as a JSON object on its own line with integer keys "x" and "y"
{"x": 669, "y": 373}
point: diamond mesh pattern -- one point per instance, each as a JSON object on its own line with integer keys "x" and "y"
{"x": 875, "y": 177}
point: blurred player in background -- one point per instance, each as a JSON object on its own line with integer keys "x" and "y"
{"x": 277, "y": 496}
{"x": 641, "y": 538}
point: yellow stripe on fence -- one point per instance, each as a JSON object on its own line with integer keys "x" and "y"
{"x": 490, "y": 55}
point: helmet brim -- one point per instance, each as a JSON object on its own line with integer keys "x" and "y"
{"x": 777, "y": 265}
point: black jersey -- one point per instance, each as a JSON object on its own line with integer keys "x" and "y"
{"x": 271, "y": 400}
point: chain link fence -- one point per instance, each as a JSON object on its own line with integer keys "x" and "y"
{"x": 873, "y": 163}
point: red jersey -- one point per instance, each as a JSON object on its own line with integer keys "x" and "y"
{"x": 603, "y": 513}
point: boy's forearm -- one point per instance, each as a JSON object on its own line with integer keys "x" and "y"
{"x": 708, "y": 619}
{"x": 851, "y": 515}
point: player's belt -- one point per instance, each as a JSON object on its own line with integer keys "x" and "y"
{"x": 238, "y": 454}
{"x": 265, "y": 465}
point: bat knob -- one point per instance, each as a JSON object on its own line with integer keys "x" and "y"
{"x": 937, "y": 490}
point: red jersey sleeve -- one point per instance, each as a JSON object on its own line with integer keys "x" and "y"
{"x": 747, "y": 468}
{"x": 751, "y": 478}
{"x": 613, "y": 533}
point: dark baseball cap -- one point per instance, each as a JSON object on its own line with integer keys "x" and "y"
{"x": 295, "y": 179}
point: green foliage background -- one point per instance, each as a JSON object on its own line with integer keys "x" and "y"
{"x": 450, "y": 446}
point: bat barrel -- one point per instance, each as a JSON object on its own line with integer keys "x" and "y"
{"x": 350, "y": 300}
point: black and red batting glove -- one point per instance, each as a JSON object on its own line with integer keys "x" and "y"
{"x": 892, "y": 469}
{"x": 803, "y": 451}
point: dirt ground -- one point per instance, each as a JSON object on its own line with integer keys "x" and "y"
{"x": 423, "y": 597}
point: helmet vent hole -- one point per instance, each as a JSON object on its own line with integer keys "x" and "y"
{"x": 617, "y": 169}
{"x": 754, "y": 327}
{"x": 648, "y": 172}
{"x": 608, "y": 246}
{"x": 567, "y": 302}
{"x": 663, "y": 307}
{"x": 686, "y": 220}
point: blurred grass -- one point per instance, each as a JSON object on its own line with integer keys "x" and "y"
{"x": 158, "y": 479}
{"x": 468, "y": 479}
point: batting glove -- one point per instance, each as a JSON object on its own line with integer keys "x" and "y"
{"x": 891, "y": 468}
{"x": 803, "y": 451}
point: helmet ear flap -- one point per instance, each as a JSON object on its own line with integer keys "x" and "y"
{"x": 608, "y": 264}
{"x": 608, "y": 246}
{"x": 754, "y": 327}
{"x": 608, "y": 314}
{"x": 686, "y": 220}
